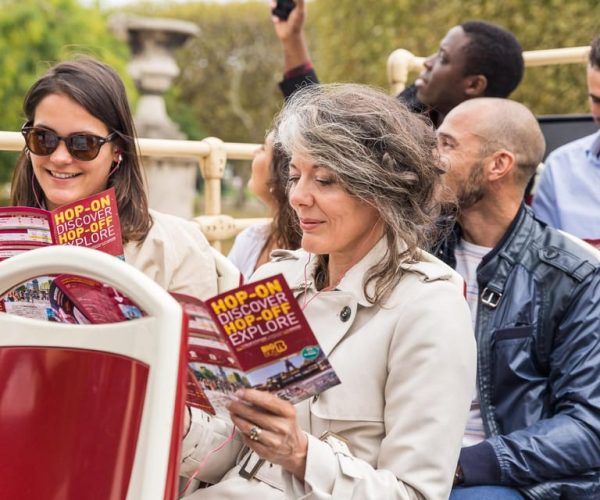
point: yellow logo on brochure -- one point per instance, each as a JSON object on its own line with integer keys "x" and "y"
{"x": 274, "y": 348}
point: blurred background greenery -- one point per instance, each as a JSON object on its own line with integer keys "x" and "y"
{"x": 228, "y": 83}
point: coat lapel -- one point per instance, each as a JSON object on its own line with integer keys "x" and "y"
{"x": 331, "y": 314}
{"x": 324, "y": 315}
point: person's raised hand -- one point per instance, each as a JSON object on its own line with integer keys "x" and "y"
{"x": 292, "y": 29}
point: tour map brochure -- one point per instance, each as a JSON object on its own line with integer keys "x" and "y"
{"x": 253, "y": 336}
{"x": 76, "y": 299}
{"x": 91, "y": 222}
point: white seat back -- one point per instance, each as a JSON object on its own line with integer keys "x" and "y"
{"x": 228, "y": 276}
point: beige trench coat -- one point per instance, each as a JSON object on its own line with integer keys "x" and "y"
{"x": 176, "y": 255}
{"x": 407, "y": 372}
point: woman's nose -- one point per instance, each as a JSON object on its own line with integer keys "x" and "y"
{"x": 61, "y": 153}
{"x": 299, "y": 194}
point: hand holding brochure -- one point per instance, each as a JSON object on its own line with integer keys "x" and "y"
{"x": 253, "y": 336}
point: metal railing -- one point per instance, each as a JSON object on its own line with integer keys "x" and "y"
{"x": 401, "y": 62}
{"x": 212, "y": 155}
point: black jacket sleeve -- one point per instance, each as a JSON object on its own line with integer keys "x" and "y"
{"x": 289, "y": 85}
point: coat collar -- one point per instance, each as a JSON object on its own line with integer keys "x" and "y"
{"x": 352, "y": 282}
{"x": 302, "y": 279}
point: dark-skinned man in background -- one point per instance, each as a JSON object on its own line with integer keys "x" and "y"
{"x": 475, "y": 59}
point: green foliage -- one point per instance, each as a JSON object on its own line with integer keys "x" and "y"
{"x": 229, "y": 73}
{"x": 38, "y": 33}
{"x": 352, "y": 40}
{"x": 228, "y": 84}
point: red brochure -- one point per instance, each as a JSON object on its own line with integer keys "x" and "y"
{"x": 252, "y": 336}
{"x": 75, "y": 299}
{"x": 91, "y": 222}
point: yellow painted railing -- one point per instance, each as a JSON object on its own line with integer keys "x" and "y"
{"x": 401, "y": 62}
{"x": 211, "y": 154}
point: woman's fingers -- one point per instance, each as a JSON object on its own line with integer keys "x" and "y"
{"x": 269, "y": 426}
{"x": 287, "y": 447}
{"x": 278, "y": 416}
{"x": 253, "y": 433}
{"x": 266, "y": 401}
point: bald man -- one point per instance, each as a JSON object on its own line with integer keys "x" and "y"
{"x": 534, "y": 294}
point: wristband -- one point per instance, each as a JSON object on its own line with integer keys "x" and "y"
{"x": 300, "y": 70}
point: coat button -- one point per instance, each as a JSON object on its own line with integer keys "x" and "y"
{"x": 345, "y": 314}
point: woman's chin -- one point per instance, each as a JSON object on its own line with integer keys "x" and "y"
{"x": 59, "y": 199}
{"x": 309, "y": 245}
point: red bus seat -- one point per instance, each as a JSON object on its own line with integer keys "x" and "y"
{"x": 91, "y": 411}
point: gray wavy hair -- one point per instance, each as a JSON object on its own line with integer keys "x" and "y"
{"x": 381, "y": 153}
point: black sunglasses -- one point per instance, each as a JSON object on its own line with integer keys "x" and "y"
{"x": 84, "y": 147}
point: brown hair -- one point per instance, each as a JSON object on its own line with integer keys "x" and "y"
{"x": 284, "y": 231}
{"x": 98, "y": 88}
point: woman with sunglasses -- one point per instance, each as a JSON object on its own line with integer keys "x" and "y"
{"x": 80, "y": 140}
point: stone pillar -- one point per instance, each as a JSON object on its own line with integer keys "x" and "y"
{"x": 171, "y": 181}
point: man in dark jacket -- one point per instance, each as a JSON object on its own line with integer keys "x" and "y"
{"x": 475, "y": 59}
{"x": 534, "y": 293}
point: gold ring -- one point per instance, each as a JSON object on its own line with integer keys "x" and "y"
{"x": 254, "y": 433}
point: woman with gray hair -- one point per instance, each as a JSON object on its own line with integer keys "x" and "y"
{"x": 364, "y": 176}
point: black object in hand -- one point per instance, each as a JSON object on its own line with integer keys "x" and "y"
{"x": 283, "y": 8}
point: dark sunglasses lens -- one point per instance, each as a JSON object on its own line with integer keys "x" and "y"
{"x": 41, "y": 142}
{"x": 84, "y": 147}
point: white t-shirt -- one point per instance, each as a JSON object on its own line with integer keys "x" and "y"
{"x": 468, "y": 256}
{"x": 247, "y": 247}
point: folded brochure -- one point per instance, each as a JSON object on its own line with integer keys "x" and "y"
{"x": 253, "y": 336}
{"x": 92, "y": 221}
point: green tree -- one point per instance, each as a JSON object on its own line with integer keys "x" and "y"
{"x": 352, "y": 40}
{"x": 228, "y": 85}
{"x": 229, "y": 73}
{"x": 38, "y": 33}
